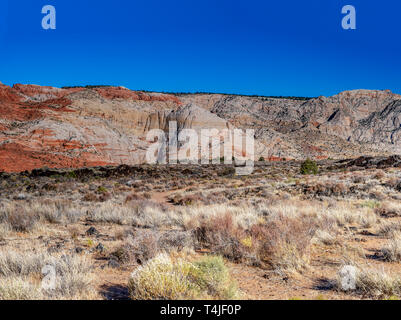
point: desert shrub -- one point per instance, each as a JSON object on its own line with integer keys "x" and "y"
{"x": 188, "y": 200}
{"x": 71, "y": 175}
{"x": 398, "y": 186}
{"x": 227, "y": 171}
{"x": 138, "y": 213}
{"x": 73, "y": 276}
{"x": 212, "y": 276}
{"x": 101, "y": 189}
{"x": 389, "y": 209}
{"x": 164, "y": 279}
{"x": 379, "y": 175}
{"x": 16, "y": 264}
{"x": 144, "y": 245}
{"x": 277, "y": 240}
{"x": 15, "y": 288}
{"x": 52, "y": 215}
{"x": 222, "y": 237}
{"x": 392, "y": 251}
{"x": 104, "y": 196}
{"x": 90, "y": 197}
{"x": 176, "y": 240}
{"x": 327, "y": 189}
{"x": 150, "y": 214}
{"x": 5, "y": 229}
{"x": 388, "y": 229}
{"x": 339, "y": 189}
{"x": 57, "y": 211}
{"x": 110, "y": 212}
{"x": 309, "y": 167}
{"x": 20, "y": 219}
{"x": 370, "y": 204}
{"x": 72, "y": 215}
{"x": 359, "y": 179}
{"x": 393, "y": 182}
{"x": 133, "y": 197}
{"x": 377, "y": 194}
{"x": 324, "y": 237}
{"x": 122, "y": 254}
{"x": 74, "y": 232}
{"x": 345, "y": 214}
{"x": 284, "y": 243}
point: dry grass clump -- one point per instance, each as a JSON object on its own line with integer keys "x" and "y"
{"x": 145, "y": 244}
{"x": 21, "y": 276}
{"x": 394, "y": 183}
{"x": 149, "y": 214}
{"x": 110, "y": 212}
{"x": 327, "y": 189}
{"x": 389, "y": 209}
{"x": 380, "y": 174}
{"x": 164, "y": 279}
{"x": 18, "y": 218}
{"x": 370, "y": 282}
{"x": 144, "y": 214}
{"x": 26, "y": 216}
{"x": 5, "y": 230}
{"x": 140, "y": 248}
{"x": 133, "y": 197}
{"x": 284, "y": 243}
{"x": 388, "y": 229}
{"x": 243, "y": 216}
{"x": 57, "y": 212}
{"x": 221, "y": 236}
{"x": 345, "y": 213}
{"x": 15, "y": 288}
{"x": 392, "y": 251}
{"x": 325, "y": 237}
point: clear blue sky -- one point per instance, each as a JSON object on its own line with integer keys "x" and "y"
{"x": 248, "y": 47}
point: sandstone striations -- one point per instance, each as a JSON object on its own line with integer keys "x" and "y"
{"x": 79, "y": 127}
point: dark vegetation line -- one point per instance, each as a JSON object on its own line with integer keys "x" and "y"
{"x": 199, "y": 92}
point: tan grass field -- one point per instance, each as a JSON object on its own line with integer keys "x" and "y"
{"x": 201, "y": 232}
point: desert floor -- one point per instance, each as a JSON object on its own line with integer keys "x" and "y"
{"x": 189, "y": 232}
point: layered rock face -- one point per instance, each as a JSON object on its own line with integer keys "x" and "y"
{"x": 352, "y": 123}
{"x": 78, "y": 127}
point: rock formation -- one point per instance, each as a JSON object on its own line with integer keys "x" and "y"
{"x": 78, "y": 127}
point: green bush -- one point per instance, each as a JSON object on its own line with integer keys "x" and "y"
{"x": 309, "y": 167}
{"x": 163, "y": 279}
{"x": 262, "y": 159}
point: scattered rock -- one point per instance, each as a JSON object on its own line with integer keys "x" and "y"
{"x": 113, "y": 264}
{"x": 92, "y": 231}
{"x": 79, "y": 250}
{"x": 100, "y": 248}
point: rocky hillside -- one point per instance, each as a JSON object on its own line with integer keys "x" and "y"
{"x": 78, "y": 127}
{"x": 345, "y": 125}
